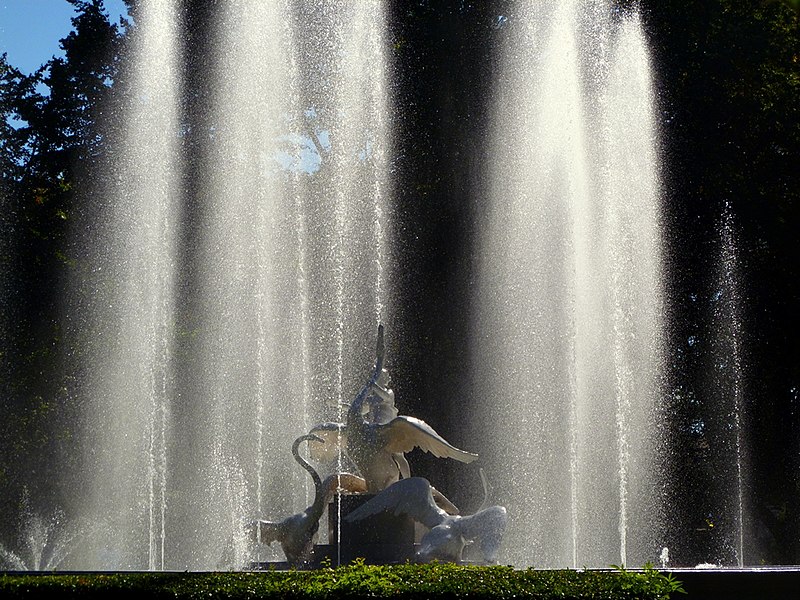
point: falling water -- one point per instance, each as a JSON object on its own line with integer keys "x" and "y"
{"x": 125, "y": 304}
{"x": 730, "y": 355}
{"x": 215, "y": 279}
{"x": 248, "y": 406}
{"x": 359, "y": 155}
{"x": 568, "y": 329}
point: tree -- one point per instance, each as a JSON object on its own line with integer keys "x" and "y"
{"x": 63, "y": 132}
{"x": 729, "y": 78}
{"x": 51, "y": 137}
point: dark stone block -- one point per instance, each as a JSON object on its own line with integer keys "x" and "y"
{"x": 380, "y": 539}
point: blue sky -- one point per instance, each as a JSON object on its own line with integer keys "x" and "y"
{"x": 30, "y": 29}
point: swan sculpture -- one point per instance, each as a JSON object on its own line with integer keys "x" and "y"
{"x": 297, "y": 532}
{"x": 376, "y": 438}
{"x": 448, "y": 534}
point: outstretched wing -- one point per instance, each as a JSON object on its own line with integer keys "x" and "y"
{"x": 444, "y": 503}
{"x": 333, "y": 436}
{"x": 410, "y": 497}
{"x": 403, "y": 434}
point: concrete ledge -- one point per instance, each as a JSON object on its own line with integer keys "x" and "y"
{"x": 758, "y": 583}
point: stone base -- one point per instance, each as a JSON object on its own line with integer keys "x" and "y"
{"x": 380, "y": 539}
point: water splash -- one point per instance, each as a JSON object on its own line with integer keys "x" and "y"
{"x": 45, "y": 543}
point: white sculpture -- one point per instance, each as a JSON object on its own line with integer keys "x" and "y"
{"x": 376, "y": 438}
{"x": 296, "y": 534}
{"x": 448, "y": 534}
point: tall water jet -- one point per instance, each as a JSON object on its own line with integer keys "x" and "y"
{"x": 247, "y": 405}
{"x": 727, "y": 383}
{"x": 568, "y": 297}
{"x": 126, "y": 306}
{"x": 629, "y": 183}
{"x": 362, "y": 109}
{"x": 357, "y": 185}
{"x": 342, "y": 53}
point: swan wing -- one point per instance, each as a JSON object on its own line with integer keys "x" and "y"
{"x": 444, "y": 503}
{"x": 403, "y": 434}
{"x": 333, "y": 438}
{"x": 411, "y": 497}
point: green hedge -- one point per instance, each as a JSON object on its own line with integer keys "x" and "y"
{"x": 353, "y": 581}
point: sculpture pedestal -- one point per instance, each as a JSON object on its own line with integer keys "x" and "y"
{"x": 380, "y": 539}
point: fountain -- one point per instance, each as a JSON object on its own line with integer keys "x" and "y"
{"x": 44, "y": 542}
{"x": 376, "y": 439}
{"x": 240, "y": 255}
{"x": 569, "y": 331}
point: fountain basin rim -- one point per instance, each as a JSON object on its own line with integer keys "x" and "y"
{"x": 675, "y": 571}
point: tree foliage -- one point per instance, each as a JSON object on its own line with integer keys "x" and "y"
{"x": 729, "y": 72}
{"x": 51, "y": 137}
